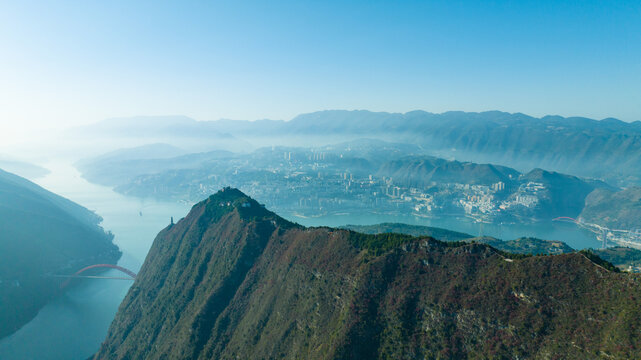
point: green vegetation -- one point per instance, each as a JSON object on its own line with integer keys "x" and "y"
{"x": 42, "y": 234}
{"x": 531, "y": 246}
{"x": 379, "y": 243}
{"x": 597, "y": 260}
{"x": 624, "y": 258}
{"x": 225, "y": 284}
{"x": 414, "y": 230}
{"x": 564, "y": 195}
{"x": 527, "y": 245}
{"x": 616, "y": 210}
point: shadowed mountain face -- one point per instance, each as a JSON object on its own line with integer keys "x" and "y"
{"x": 42, "y": 234}
{"x": 233, "y": 280}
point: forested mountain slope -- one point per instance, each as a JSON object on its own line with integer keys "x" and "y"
{"x": 233, "y": 280}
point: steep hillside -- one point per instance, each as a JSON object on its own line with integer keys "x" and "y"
{"x": 624, "y": 258}
{"x": 616, "y": 210}
{"x": 234, "y": 281}
{"x": 42, "y": 234}
{"x": 564, "y": 195}
{"x": 422, "y": 171}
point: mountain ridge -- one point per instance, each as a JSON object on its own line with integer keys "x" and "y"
{"x": 576, "y": 145}
{"x": 232, "y": 280}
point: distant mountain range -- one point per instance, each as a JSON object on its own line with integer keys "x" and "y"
{"x": 233, "y": 280}
{"x": 577, "y": 146}
{"x": 42, "y": 234}
{"x": 609, "y": 149}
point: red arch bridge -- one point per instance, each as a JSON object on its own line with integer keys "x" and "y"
{"x": 566, "y": 218}
{"x": 78, "y": 274}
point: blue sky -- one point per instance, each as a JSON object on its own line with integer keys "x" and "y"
{"x": 70, "y": 62}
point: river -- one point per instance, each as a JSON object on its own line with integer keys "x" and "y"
{"x": 74, "y": 324}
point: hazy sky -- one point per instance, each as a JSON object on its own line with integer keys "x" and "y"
{"x": 69, "y": 62}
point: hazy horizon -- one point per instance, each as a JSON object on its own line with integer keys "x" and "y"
{"x": 66, "y": 64}
{"x": 178, "y": 179}
{"x": 27, "y": 135}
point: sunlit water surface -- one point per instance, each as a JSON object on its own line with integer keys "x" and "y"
{"x": 74, "y": 324}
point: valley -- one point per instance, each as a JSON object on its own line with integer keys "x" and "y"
{"x": 364, "y": 175}
{"x": 322, "y": 180}
{"x": 77, "y": 322}
{"x": 42, "y": 235}
{"x": 73, "y": 324}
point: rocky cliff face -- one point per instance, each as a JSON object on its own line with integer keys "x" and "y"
{"x": 233, "y": 280}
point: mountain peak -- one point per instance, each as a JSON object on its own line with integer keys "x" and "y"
{"x": 244, "y": 286}
{"x": 228, "y": 193}
{"x": 228, "y": 200}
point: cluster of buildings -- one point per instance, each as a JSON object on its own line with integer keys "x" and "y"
{"x": 319, "y": 183}
{"x": 324, "y": 192}
{"x": 528, "y": 195}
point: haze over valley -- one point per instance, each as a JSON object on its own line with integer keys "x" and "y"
{"x": 320, "y": 180}
{"x": 371, "y": 181}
